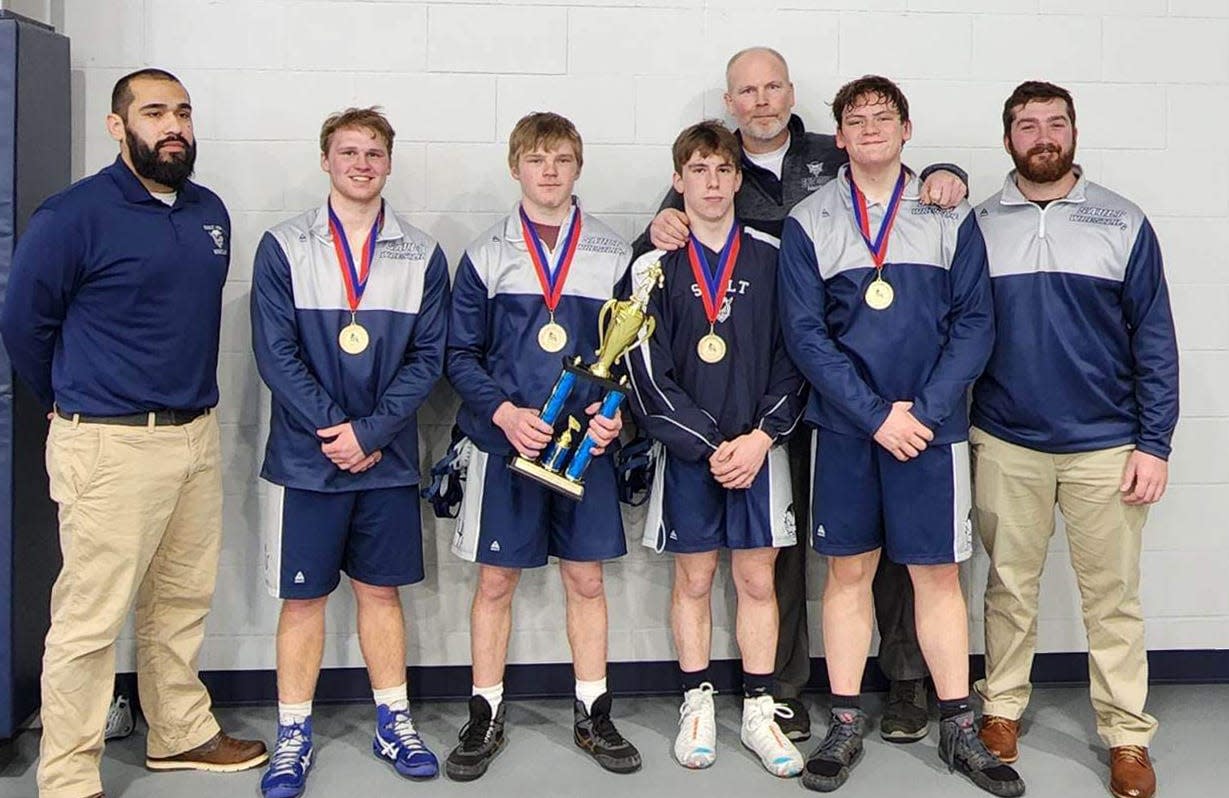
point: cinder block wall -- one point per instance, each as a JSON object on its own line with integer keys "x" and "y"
{"x": 1151, "y": 81}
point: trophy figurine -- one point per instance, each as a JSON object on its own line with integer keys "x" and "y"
{"x": 622, "y": 325}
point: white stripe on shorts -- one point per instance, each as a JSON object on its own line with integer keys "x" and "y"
{"x": 654, "y": 534}
{"x": 469, "y": 519}
{"x": 782, "y": 518}
{"x": 272, "y": 523}
{"x": 962, "y": 503}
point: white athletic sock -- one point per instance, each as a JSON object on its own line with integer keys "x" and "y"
{"x": 293, "y": 713}
{"x": 395, "y": 698}
{"x": 494, "y": 695}
{"x": 588, "y": 692}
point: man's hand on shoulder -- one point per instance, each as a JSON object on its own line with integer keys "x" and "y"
{"x": 669, "y": 229}
{"x": 944, "y": 189}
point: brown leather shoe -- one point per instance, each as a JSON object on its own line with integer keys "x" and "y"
{"x": 999, "y": 736}
{"x": 222, "y": 754}
{"x": 1131, "y": 773}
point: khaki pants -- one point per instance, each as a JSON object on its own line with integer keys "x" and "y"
{"x": 1014, "y": 493}
{"x": 140, "y": 520}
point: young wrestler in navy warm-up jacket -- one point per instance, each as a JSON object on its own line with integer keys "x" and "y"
{"x": 716, "y": 387}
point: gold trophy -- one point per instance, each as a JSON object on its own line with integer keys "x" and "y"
{"x": 622, "y": 324}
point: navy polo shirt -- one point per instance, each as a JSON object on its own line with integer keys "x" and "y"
{"x": 115, "y": 298}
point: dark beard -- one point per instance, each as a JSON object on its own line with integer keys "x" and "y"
{"x": 149, "y": 164}
{"x": 1047, "y": 172}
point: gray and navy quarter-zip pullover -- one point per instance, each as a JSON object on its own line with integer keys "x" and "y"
{"x": 497, "y": 310}
{"x": 298, "y": 308}
{"x": 927, "y": 347}
{"x": 1085, "y": 356}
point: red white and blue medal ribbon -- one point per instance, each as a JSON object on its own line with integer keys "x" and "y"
{"x": 353, "y": 338}
{"x": 552, "y": 337}
{"x": 879, "y": 294}
{"x": 713, "y": 285}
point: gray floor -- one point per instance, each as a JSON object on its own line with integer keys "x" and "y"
{"x": 1060, "y": 755}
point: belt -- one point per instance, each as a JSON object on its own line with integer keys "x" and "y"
{"x": 154, "y": 418}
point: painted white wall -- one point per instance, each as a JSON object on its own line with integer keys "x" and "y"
{"x": 1151, "y": 81}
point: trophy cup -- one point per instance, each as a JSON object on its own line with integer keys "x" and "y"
{"x": 622, "y": 325}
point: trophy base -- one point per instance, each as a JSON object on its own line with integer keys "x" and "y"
{"x": 551, "y": 479}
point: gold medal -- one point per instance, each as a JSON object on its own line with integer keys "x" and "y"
{"x": 879, "y": 294}
{"x": 552, "y": 337}
{"x": 353, "y": 338}
{"x": 711, "y": 348}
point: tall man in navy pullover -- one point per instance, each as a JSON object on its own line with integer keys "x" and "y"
{"x": 1076, "y": 408}
{"x": 887, "y": 304}
{"x": 349, "y": 320}
{"x": 112, "y": 314}
{"x": 782, "y": 164}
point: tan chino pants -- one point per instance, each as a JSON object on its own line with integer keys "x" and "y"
{"x": 140, "y": 521}
{"x": 1015, "y": 490}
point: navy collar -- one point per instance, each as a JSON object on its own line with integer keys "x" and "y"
{"x": 134, "y": 191}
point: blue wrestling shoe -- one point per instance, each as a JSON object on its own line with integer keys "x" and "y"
{"x": 397, "y": 743}
{"x": 290, "y": 763}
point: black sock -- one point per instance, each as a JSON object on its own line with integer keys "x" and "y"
{"x": 693, "y": 679}
{"x": 757, "y": 684}
{"x": 840, "y": 702}
{"x": 953, "y": 707}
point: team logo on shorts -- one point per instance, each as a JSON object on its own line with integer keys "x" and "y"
{"x": 218, "y": 234}
{"x": 819, "y": 531}
{"x": 790, "y": 524}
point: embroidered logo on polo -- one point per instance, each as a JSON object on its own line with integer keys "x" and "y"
{"x": 218, "y": 233}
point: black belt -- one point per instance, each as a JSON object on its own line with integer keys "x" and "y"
{"x": 162, "y": 418}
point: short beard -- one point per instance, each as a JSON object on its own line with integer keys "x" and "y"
{"x": 149, "y": 164}
{"x": 1050, "y": 171}
{"x": 769, "y": 136}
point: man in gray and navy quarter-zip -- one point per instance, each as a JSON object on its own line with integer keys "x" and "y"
{"x": 1076, "y": 408}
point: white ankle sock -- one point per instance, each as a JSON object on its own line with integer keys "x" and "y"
{"x": 494, "y": 695}
{"x": 293, "y": 713}
{"x": 588, "y": 692}
{"x": 395, "y": 698}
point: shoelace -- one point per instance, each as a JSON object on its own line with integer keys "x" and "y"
{"x": 474, "y": 735}
{"x": 406, "y": 734}
{"x": 605, "y": 729}
{"x": 693, "y": 700}
{"x": 1133, "y": 752}
{"x": 969, "y": 747}
{"x": 840, "y": 739}
{"x": 289, "y": 748}
{"x": 782, "y": 710}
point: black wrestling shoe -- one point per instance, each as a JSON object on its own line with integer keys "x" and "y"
{"x": 963, "y": 750}
{"x": 796, "y": 723}
{"x": 828, "y": 767}
{"x": 595, "y": 732}
{"x": 481, "y": 739}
